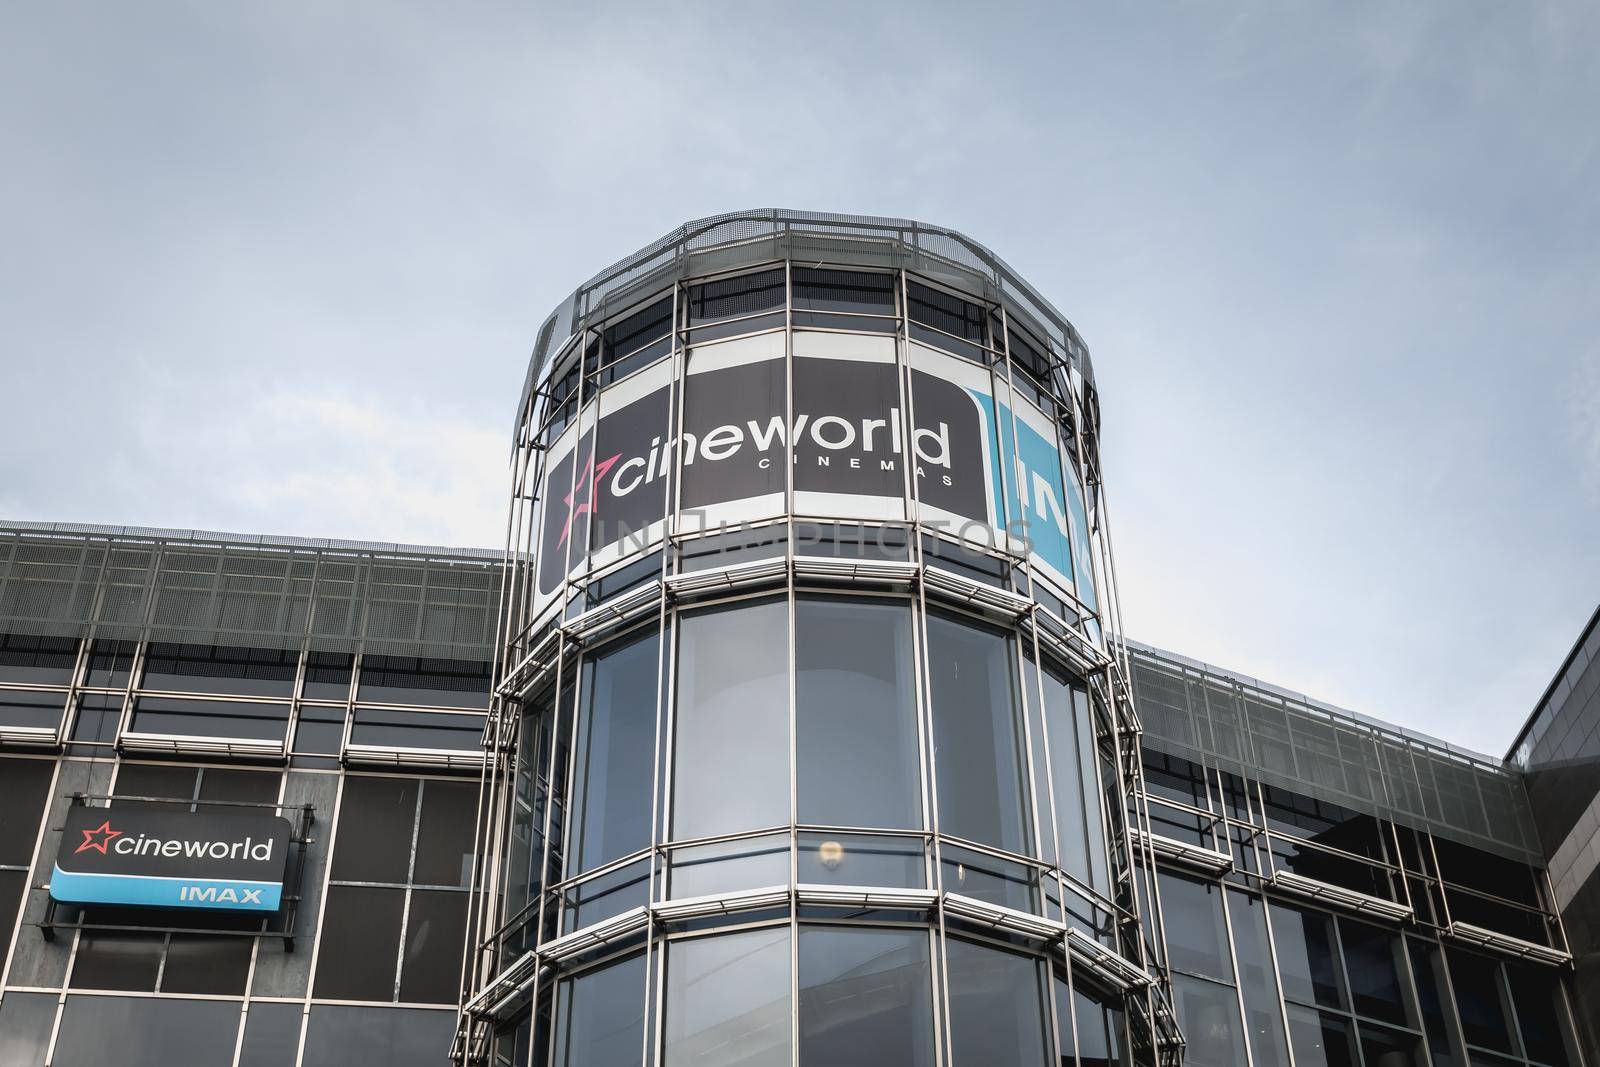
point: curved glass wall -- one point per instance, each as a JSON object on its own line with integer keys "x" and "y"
{"x": 810, "y": 733}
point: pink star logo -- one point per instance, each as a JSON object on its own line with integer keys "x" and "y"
{"x": 592, "y": 474}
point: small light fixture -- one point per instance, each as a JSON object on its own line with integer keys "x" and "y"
{"x": 831, "y": 853}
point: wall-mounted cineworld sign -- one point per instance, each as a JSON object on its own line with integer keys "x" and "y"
{"x": 865, "y": 443}
{"x": 171, "y": 859}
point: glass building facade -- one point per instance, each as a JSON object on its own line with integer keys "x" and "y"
{"x": 792, "y": 725}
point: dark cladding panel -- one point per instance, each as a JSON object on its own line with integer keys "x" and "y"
{"x": 146, "y": 1033}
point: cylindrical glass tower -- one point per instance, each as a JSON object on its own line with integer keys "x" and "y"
{"x": 813, "y": 741}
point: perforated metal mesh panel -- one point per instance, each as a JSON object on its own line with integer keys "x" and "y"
{"x": 1250, "y": 728}
{"x": 169, "y": 585}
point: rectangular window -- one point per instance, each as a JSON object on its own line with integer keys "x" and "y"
{"x": 600, "y": 1016}
{"x": 31, "y": 708}
{"x": 219, "y": 669}
{"x": 856, "y": 715}
{"x": 844, "y": 299}
{"x": 615, "y": 753}
{"x": 1308, "y": 963}
{"x": 1247, "y": 918}
{"x": 636, "y": 341}
{"x": 37, "y": 660}
{"x": 998, "y": 1012}
{"x": 727, "y": 1000}
{"x": 445, "y": 683}
{"x": 731, "y": 744}
{"x": 429, "y": 730}
{"x": 238, "y": 719}
{"x": 754, "y": 300}
{"x": 864, "y": 993}
{"x": 1197, "y": 938}
{"x": 946, "y": 321}
{"x": 146, "y": 1032}
{"x": 978, "y": 751}
{"x": 1209, "y": 1015}
{"x": 328, "y": 676}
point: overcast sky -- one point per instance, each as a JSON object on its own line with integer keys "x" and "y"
{"x": 278, "y": 267}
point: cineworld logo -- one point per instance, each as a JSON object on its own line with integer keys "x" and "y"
{"x": 171, "y": 859}
{"x": 100, "y": 839}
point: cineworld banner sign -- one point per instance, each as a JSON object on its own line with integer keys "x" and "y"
{"x": 169, "y": 859}
{"x": 983, "y": 467}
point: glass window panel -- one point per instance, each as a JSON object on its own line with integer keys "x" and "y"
{"x": 418, "y": 680}
{"x": 959, "y": 323}
{"x": 157, "y": 780}
{"x": 445, "y": 835}
{"x": 360, "y": 943}
{"x": 1320, "y": 1040}
{"x": 997, "y": 1006}
{"x": 31, "y": 708}
{"x": 98, "y": 716}
{"x": 1427, "y": 966}
{"x": 146, "y": 1032}
{"x": 380, "y": 813}
{"x": 1537, "y": 994}
{"x": 866, "y": 998}
{"x": 197, "y": 963}
{"x": 1099, "y": 1030}
{"x": 615, "y": 754}
{"x": 1197, "y": 939}
{"x": 400, "y": 728}
{"x": 328, "y": 676}
{"x": 731, "y": 770}
{"x": 601, "y": 1016}
{"x": 210, "y": 718}
{"x": 727, "y": 298}
{"x": 24, "y": 788}
{"x": 220, "y": 669}
{"x": 341, "y": 1035}
{"x": 750, "y": 863}
{"x": 26, "y": 1020}
{"x": 1372, "y": 964}
{"x": 852, "y": 859}
{"x": 271, "y": 1035}
{"x": 436, "y": 927}
{"x": 1385, "y": 1047}
{"x": 321, "y": 730}
{"x": 1209, "y": 1016}
{"x": 1088, "y": 758}
{"x": 1247, "y": 917}
{"x": 117, "y": 959}
{"x": 978, "y": 751}
{"x": 239, "y": 786}
{"x": 1307, "y": 963}
{"x": 1067, "y": 730}
{"x": 1481, "y": 1000}
{"x": 728, "y": 1000}
{"x": 110, "y": 663}
{"x": 856, "y": 716}
{"x": 976, "y": 874}
{"x": 13, "y": 884}
{"x": 37, "y": 660}
{"x": 609, "y": 894}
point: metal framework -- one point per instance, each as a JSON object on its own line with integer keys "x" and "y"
{"x": 542, "y": 641}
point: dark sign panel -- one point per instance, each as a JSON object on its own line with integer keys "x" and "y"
{"x": 171, "y": 859}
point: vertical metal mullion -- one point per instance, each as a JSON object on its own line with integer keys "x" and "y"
{"x": 1238, "y": 981}
{"x": 411, "y": 877}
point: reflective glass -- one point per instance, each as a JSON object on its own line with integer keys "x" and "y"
{"x": 1427, "y": 967}
{"x": 37, "y": 660}
{"x": 445, "y": 834}
{"x": 721, "y": 866}
{"x": 1098, "y": 1030}
{"x": 856, "y": 716}
{"x": 1481, "y": 1000}
{"x": 601, "y": 1016}
{"x": 210, "y": 718}
{"x": 219, "y": 669}
{"x": 866, "y": 998}
{"x": 146, "y": 1032}
{"x": 1320, "y": 1040}
{"x": 998, "y": 1011}
{"x": 327, "y": 676}
{"x": 198, "y": 963}
{"x": 978, "y": 749}
{"x": 25, "y": 1023}
{"x": 1371, "y": 962}
{"x": 1308, "y": 966}
{"x": 117, "y": 959}
{"x": 418, "y": 680}
{"x": 1209, "y": 1015}
{"x": 31, "y": 708}
{"x": 24, "y": 787}
{"x": 1247, "y": 917}
{"x": 360, "y": 943}
{"x": 727, "y": 1000}
{"x": 436, "y": 926}
{"x": 858, "y": 859}
{"x": 609, "y": 894}
{"x": 1066, "y": 723}
{"x": 1382, "y": 1046}
{"x": 340, "y": 1035}
{"x": 402, "y": 728}
{"x": 1537, "y": 994}
{"x": 615, "y": 752}
{"x": 380, "y": 813}
{"x": 1197, "y": 939}
{"x": 271, "y": 1035}
{"x": 731, "y": 770}
{"x": 983, "y": 877}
